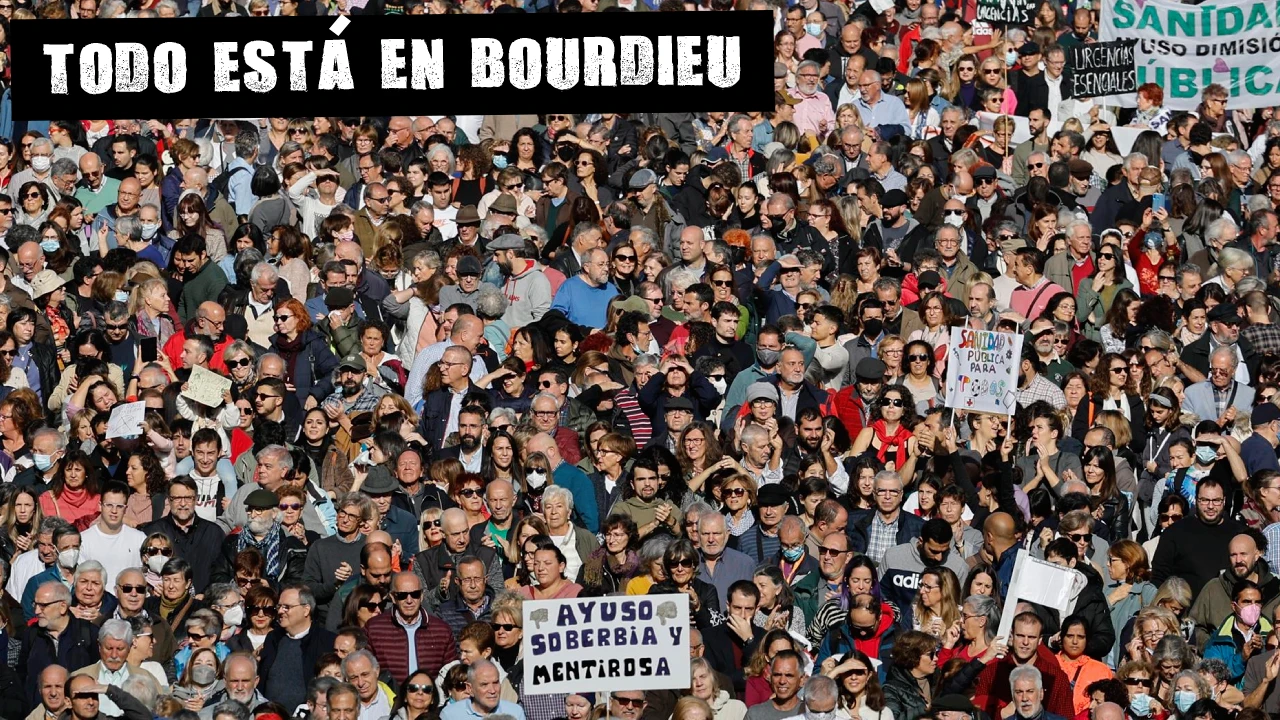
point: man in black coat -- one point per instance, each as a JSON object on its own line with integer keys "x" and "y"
{"x": 57, "y": 638}
{"x": 263, "y": 508}
{"x": 729, "y": 645}
{"x": 194, "y": 539}
{"x": 1029, "y": 82}
{"x": 1091, "y": 603}
{"x": 1224, "y": 329}
{"x": 455, "y": 368}
{"x": 1196, "y": 547}
{"x": 438, "y": 566}
{"x": 290, "y": 652}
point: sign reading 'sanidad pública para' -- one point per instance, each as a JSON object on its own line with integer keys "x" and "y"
{"x": 490, "y": 64}
{"x": 1185, "y": 48}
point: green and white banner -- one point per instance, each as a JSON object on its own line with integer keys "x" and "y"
{"x": 1185, "y": 48}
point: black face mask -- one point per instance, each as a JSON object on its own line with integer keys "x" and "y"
{"x": 872, "y": 328}
{"x": 778, "y": 222}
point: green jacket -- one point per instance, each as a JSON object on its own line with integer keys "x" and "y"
{"x": 205, "y": 286}
{"x": 1088, "y": 301}
{"x": 345, "y": 339}
{"x": 807, "y": 592}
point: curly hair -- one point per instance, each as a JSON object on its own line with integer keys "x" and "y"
{"x": 910, "y": 647}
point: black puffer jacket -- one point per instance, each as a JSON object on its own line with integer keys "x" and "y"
{"x": 902, "y": 695}
{"x": 1092, "y": 606}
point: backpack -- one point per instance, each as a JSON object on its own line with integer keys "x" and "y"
{"x": 221, "y": 182}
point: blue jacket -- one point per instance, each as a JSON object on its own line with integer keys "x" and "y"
{"x": 584, "y": 495}
{"x": 859, "y": 529}
{"x": 29, "y": 592}
{"x": 402, "y": 526}
{"x": 1226, "y": 646}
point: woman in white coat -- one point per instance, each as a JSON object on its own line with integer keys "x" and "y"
{"x": 705, "y": 686}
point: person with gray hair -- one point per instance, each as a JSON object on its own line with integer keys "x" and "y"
{"x": 1106, "y": 212}
{"x": 821, "y": 696}
{"x": 1225, "y": 394}
{"x": 1027, "y": 686}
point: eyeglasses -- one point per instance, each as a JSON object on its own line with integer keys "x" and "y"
{"x": 262, "y": 609}
{"x": 504, "y": 627}
{"x": 734, "y": 492}
{"x": 624, "y": 258}
{"x": 112, "y": 326}
{"x": 161, "y": 551}
{"x": 370, "y": 605}
{"x": 264, "y": 396}
{"x": 722, "y": 283}
{"x": 517, "y": 186}
{"x": 1081, "y": 537}
{"x": 242, "y": 362}
{"x": 824, "y": 550}
{"x": 895, "y": 402}
{"x": 197, "y": 637}
{"x": 283, "y": 318}
{"x": 629, "y": 702}
{"x": 416, "y": 688}
{"x": 132, "y": 589}
{"x": 431, "y": 523}
{"x": 991, "y": 71}
{"x": 469, "y": 492}
{"x": 1119, "y": 370}
{"x": 1170, "y": 517}
{"x": 918, "y": 358}
{"x": 290, "y": 506}
{"x": 1138, "y": 682}
{"x": 407, "y": 594}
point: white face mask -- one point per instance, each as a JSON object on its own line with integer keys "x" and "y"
{"x": 536, "y": 478}
{"x": 156, "y": 563}
{"x": 41, "y": 163}
{"x": 234, "y": 615}
{"x": 69, "y": 558}
{"x": 719, "y": 385}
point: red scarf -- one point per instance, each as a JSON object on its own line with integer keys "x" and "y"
{"x": 898, "y": 440}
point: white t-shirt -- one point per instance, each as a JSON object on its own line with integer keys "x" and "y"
{"x": 117, "y": 553}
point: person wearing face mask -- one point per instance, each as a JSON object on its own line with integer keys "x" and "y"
{"x": 1215, "y": 603}
{"x": 67, "y": 542}
{"x": 1241, "y": 635}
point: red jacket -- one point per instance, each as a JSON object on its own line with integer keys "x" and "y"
{"x": 433, "y": 641}
{"x": 849, "y": 406}
{"x": 993, "y": 692}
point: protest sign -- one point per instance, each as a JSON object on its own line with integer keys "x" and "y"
{"x": 1042, "y": 583}
{"x": 479, "y": 64}
{"x": 1184, "y": 48}
{"x": 1012, "y": 12}
{"x": 206, "y": 387}
{"x": 982, "y": 372}
{"x": 126, "y": 420}
{"x": 1097, "y": 69}
{"x": 606, "y": 644}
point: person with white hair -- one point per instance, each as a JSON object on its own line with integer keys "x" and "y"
{"x": 115, "y": 638}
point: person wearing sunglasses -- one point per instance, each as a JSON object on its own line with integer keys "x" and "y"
{"x": 417, "y": 697}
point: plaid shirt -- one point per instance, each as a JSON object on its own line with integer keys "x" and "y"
{"x": 1221, "y": 396}
{"x": 1265, "y": 338}
{"x": 366, "y": 402}
{"x": 883, "y": 536}
{"x": 1041, "y": 389}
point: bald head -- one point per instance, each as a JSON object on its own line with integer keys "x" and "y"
{"x": 542, "y": 443}
{"x": 195, "y": 179}
{"x": 963, "y": 184}
{"x": 89, "y": 163}
{"x": 998, "y": 531}
{"x": 211, "y": 310}
{"x": 379, "y": 536}
{"x": 1108, "y": 711}
{"x": 349, "y": 250}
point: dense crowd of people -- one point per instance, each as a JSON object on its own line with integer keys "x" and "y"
{"x": 476, "y": 361}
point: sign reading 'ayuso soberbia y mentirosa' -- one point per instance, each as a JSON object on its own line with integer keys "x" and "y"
{"x": 488, "y": 64}
{"x": 606, "y": 644}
